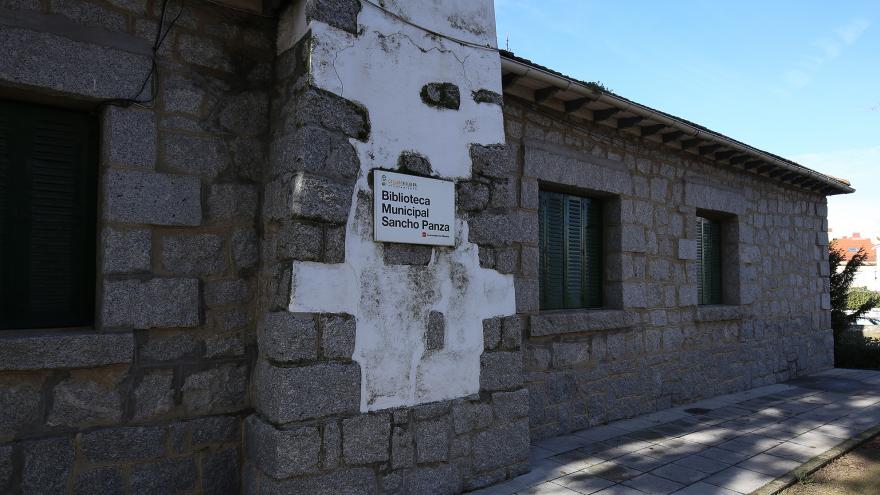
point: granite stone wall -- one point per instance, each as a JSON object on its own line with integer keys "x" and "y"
{"x": 150, "y": 399}
{"x": 309, "y": 433}
{"x": 651, "y": 346}
{"x": 196, "y": 377}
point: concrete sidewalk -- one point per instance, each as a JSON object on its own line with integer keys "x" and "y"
{"x": 733, "y": 444}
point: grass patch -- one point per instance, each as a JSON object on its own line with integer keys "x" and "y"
{"x": 805, "y": 479}
{"x": 854, "y": 473}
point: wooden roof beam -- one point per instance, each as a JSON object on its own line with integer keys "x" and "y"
{"x": 543, "y": 94}
{"x": 671, "y": 136}
{"x": 650, "y": 130}
{"x": 705, "y": 150}
{"x": 628, "y": 122}
{"x": 724, "y": 155}
{"x": 808, "y": 183}
{"x": 575, "y": 105}
{"x": 600, "y": 115}
{"x": 690, "y": 143}
{"x": 752, "y": 164}
{"x": 509, "y": 79}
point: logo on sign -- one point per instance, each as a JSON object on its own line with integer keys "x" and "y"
{"x": 398, "y": 183}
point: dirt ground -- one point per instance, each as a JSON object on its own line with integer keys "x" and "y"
{"x": 856, "y": 473}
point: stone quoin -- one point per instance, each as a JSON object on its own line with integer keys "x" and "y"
{"x": 238, "y": 327}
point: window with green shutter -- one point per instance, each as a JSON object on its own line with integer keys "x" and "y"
{"x": 709, "y": 260}
{"x": 48, "y": 179}
{"x": 570, "y": 238}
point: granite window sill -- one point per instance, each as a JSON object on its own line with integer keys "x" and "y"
{"x": 720, "y": 312}
{"x": 559, "y": 322}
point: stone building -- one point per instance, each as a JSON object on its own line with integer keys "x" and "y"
{"x": 193, "y": 300}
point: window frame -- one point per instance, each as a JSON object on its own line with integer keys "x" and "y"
{"x": 710, "y": 229}
{"x": 81, "y": 128}
{"x": 591, "y": 216}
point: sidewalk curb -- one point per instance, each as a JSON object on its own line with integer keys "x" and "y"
{"x": 816, "y": 463}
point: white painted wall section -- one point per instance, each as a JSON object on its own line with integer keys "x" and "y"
{"x": 384, "y": 69}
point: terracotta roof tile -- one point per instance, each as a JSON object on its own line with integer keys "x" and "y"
{"x": 851, "y": 246}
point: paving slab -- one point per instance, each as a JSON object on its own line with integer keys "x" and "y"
{"x": 559, "y": 445}
{"x": 727, "y": 445}
{"x": 739, "y": 479}
{"x": 537, "y": 454}
{"x": 842, "y": 384}
{"x": 620, "y": 490}
{"x": 599, "y": 433}
{"x": 666, "y": 454}
{"x": 572, "y": 462}
{"x": 547, "y": 489}
{"x": 628, "y": 446}
{"x": 653, "y": 485}
{"x": 584, "y": 483}
{"x": 727, "y": 456}
{"x": 778, "y": 432}
{"x": 612, "y": 471}
{"x": 794, "y": 451}
{"x": 641, "y": 462}
{"x": 769, "y": 465}
{"x": 541, "y": 473}
{"x": 680, "y": 474}
{"x": 750, "y": 444}
{"x": 711, "y": 436}
{"x": 706, "y": 465}
{"x": 649, "y": 435}
{"x": 705, "y": 489}
{"x": 817, "y": 440}
{"x": 635, "y": 424}
{"x": 838, "y": 430}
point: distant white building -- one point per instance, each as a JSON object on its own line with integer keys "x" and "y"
{"x": 868, "y": 276}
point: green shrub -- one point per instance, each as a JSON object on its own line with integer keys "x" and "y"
{"x": 858, "y": 296}
{"x": 848, "y": 305}
{"x": 842, "y": 318}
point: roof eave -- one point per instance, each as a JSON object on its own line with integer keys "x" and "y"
{"x": 670, "y": 130}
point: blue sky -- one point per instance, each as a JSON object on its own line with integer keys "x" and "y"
{"x": 797, "y": 78}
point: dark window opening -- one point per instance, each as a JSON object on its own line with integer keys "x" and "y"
{"x": 48, "y": 169}
{"x": 571, "y": 250}
{"x": 709, "y": 261}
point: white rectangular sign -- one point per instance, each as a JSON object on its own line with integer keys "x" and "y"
{"x": 413, "y": 210}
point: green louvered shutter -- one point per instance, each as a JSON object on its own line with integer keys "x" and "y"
{"x": 552, "y": 250}
{"x": 709, "y": 260}
{"x": 574, "y": 252}
{"x": 6, "y": 205}
{"x": 47, "y": 204}
{"x": 593, "y": 249}
{"x": 570, "y": 238}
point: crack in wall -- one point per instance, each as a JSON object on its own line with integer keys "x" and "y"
{"x": 448, "y": 51}
{"x": 336, "y": 54}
